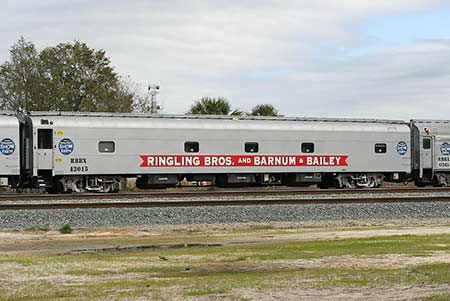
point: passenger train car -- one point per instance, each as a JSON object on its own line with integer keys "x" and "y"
{"x": 431, "y": 152}
{"x": 9, "y": 149}
{"x": 76, "y": 152}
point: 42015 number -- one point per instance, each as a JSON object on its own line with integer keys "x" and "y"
{"x": 79, "y": 169}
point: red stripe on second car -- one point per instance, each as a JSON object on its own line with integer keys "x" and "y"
{"x": 241, "y": 161}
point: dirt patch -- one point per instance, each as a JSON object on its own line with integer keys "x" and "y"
{"x": 391, "y": 261}
{"x": 52, "y": 242}
{"x": 142, "y": 247}
{"x": 346, "y": 294}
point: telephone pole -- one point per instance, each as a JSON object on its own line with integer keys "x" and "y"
{"x": 154, "y": 90}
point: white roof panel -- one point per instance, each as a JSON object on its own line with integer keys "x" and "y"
{"x": 106, "y": 120}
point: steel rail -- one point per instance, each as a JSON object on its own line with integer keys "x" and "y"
{"x": 219, "y": 192}
{"x": 250, "y": 202}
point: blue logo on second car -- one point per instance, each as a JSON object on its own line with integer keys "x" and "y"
{"x": 402, "y": 148}
{"x": 445, "y": 149}
{"x": 65, "y": 146}
{"x": 7, "y": 146}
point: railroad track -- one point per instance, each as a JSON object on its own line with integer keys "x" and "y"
{"x": 249, "y": 202}
{"x": 215, "y": 192}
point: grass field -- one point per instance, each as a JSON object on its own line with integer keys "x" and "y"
{"x": 246, "y": 264}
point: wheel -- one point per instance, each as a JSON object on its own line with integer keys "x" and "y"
{"x": 61, "y": 188}
{"x": 439, "y": 182}
{"x": 371, "y": 182}
{"x": 107, "y": 188}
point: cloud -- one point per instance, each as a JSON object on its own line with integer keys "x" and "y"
{"x": 289, "y": 53}
{"x": 408, "y": 82}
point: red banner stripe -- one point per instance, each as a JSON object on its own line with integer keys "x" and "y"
{"x": 241, "y": 161}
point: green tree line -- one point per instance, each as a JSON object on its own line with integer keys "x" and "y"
{"x": 67, "y": 77}
{"x": 75, "y": 77}
{"x": 221, "y": 106}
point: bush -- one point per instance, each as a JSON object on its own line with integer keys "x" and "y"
{"x": 66, "y": 229}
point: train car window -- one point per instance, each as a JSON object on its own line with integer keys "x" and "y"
{"x": 307, "y": 147}
{"x": 45, "y": 139}
{"x": 426, "y": 143}
{"x": 251, "y": 147}
{"x": 380, "y": 148}
{"x": 106, "y": 147}
{"x": 191, "y": 147}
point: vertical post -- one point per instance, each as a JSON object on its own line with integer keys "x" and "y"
{"x": 154, "y": 90}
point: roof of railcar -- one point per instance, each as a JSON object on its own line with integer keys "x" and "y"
{"x": 206, "y": 122}
{"x": 209, "y": 117}
{"x": 431, "y": 126}
{"x": 8, "y": 113}
{"x": 8, "y": 119}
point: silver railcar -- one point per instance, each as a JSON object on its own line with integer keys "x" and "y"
{"x": 78, "y": 152}
{"x": 431, "y": 156}
{"x": 9, "y": 149}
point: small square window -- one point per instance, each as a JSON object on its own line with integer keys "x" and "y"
{"x": 251, "y": 147}
{"x": 380, "y": 148}
{"x": 45, "y": 138}
{"x": 191, "y": 147}
{"x": 307, "y": 147}
{"x": 426, "y": 143}
{"x": 106, "y": 147}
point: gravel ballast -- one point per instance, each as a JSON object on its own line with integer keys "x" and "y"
{"x": 121, "y": 217}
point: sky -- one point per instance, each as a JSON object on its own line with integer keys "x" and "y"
{"x": 321, "y": 58}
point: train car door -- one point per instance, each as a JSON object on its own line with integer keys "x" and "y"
{"x": 44, "y": 151}
{"x": 426, "y": 158}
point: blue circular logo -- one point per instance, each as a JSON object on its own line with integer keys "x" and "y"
{"x": 445, "y": 149}
{"x": 65, "y": 146}
{"x": 7, "y": 146}
{"x": 402, "y": 148}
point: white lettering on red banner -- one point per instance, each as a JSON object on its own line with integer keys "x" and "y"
{"x": 241, "y": 161}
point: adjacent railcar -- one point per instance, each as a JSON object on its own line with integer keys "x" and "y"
{"x": 95, "y": 152}
{"x": 9, "y": 149}
{"x": 431, "y": 156}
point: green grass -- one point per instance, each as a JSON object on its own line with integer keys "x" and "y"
{"x": 406, "y": 244}
{"x": 212, "y": 283}
{"x": 89, "y": 272}
{"x": 66, "y": 229}
{"x": 204, "y": 271}
{"x": 205, "y": 292}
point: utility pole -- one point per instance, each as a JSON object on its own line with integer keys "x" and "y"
{"x": 154, "y": 90}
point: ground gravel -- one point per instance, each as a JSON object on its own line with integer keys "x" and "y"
{"x": 119, "y": 217}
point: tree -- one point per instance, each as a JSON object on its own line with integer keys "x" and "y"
{"x": 20, "y": 78}
{"x": 211, "y": 106}
{"x": 79, "y": 78}
{"x": 264, "y": 110}
{"x": 237, "y": 112}
{"x": 68, "y": 77}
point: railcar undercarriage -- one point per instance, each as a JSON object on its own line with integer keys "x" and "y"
{"x": 104, "y": 184}
{"x": 363, "y": 180}
{"x": 350, "y": 180}
{"x": 111, "y": 184}
{"x": 441, "y": 179}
